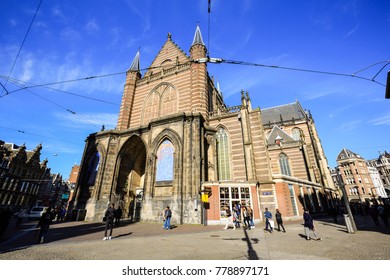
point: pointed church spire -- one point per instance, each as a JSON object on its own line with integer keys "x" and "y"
{"x": 135, "y": 64}
{"x": 197, "y": 37}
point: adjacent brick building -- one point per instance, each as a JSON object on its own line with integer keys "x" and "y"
{"x": 176, "y": 139}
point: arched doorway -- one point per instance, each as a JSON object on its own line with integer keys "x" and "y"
{"x": 131, "y": 174}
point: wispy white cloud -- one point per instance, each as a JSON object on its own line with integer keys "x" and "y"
{"x": 69, "y": 34}
{"x": 384, "y": 120}
{"x": 57, "y": 12}
{"x": 352, "y": 31}
{"x": 350, "y": 126}
{"x": 85, "y": 120}
{"x": 92, "y": 27}
{"x": 27, "y": 70}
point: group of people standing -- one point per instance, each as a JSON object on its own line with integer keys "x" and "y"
{"x": 241, "y": 214}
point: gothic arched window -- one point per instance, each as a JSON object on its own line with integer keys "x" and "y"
{"x": 223, "y": 154}
{"x": 93, "y": 168}
{"x": 165, "y": 157}
{"x": 161, "y": 101}
{"x": 284, "y": 166}
{"x": 296, "y": 134}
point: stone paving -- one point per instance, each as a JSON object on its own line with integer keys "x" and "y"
{"x": 148, "y": 241}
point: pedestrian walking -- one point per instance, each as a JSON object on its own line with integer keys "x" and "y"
{"x": 247, "y": 217}
{"x": 268, "y": 220}
{"x": 167, "y": 218}
{"x": 252, "y": 224}
{"x": 117, "y": 215}
{"x": 44, "y": 223}
{"x": 309, "y": 225}
{"x": 279, "y": 220}
{"x": 109, "y": 218}
{"x": 229, "y": 219}
{"x": 236, "y": 217}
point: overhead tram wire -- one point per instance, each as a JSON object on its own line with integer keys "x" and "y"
{"x": 353, "y": 75}
{"x": 62, "y": 107}
{"x": 38, "y": 135}
{"x": 20, "y": 49}
{"x": 23, "y": 84}
{"x": 67, "y": 81}
{"x": 80, "y": 79}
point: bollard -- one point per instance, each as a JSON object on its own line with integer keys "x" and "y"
{"x": 348, "y": 223}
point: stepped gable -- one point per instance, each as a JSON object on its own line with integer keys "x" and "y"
{"x": 35, "y": 155}
{"x": 169, "y": 55}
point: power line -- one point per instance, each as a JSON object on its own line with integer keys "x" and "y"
{"x": 236, "y": 62}
{"x": 67, "y": 81}
{"x": 82, "y": 79}
{"x": 22, "y": 84}
{"x": 42, "y": 136}
{"x": 21, "y": 46}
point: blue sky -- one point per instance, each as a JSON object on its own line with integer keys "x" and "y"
{"x": 72, "y": 40}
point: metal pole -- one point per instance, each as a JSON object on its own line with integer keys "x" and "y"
{"x": 346, "y": 202}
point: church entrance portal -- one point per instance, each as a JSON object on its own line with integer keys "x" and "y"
{"x": 131, "y": 174}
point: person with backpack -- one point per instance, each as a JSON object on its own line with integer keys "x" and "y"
{"x": 44, "y": 223}
{"x": 109, "y": 218}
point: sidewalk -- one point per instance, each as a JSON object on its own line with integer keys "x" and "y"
{"x": 148, "y": 241}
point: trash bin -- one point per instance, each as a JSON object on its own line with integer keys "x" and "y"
{"x": 348, "y": 223}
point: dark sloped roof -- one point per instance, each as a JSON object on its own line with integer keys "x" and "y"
{"x": 345, "y": 153}
{"x": 197, "y": 37}
{"x": 135, "y": 64}
{"x": 284, "y": 112}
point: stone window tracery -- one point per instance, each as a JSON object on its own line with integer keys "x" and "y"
{"x": 223, "y": 155}
{"x": 161, "y": 101}
{"x": 165, "y": 160}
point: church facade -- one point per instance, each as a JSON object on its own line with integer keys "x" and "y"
{"x": 178, "y": 144}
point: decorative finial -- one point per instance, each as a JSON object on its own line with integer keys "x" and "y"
{"x": 169, "y": 36}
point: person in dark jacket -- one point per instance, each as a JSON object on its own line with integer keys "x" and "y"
{"x": 167, "y": 218}
{"x": 309, "y": 225}
{"x": 109, "y": 217}
{"x": 279, "y": 220}
{"x": 44, "y": 223}
{"x": 117, "y": 215}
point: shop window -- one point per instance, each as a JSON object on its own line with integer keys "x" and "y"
{"x": 229, "y": 196}
{"x": 292, "y": 197}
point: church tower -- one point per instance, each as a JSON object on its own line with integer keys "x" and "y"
{"x": 133, "y": 74}
{"x": 199, "y": 91}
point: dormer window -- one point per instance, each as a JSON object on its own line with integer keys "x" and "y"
{"x": 278, "y": 140}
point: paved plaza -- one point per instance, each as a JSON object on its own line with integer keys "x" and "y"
{"x": 79, "y": 240}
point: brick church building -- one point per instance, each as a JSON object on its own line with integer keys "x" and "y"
{"x": 177, "y": 142}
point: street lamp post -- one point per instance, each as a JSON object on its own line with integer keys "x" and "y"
{"x": 346, "y": 201}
